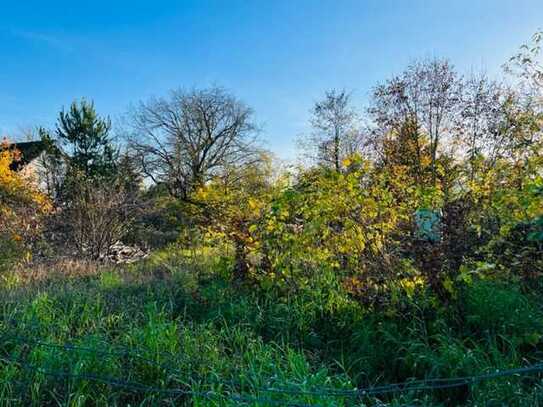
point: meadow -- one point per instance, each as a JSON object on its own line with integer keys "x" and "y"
{"x": 80, "y": 334}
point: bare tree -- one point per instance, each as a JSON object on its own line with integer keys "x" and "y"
{"x": 98, "y": 215}
{"x": 525, "y": 106}
{"x": 480, "y": 123}
{"x": 527, "y": 63}
{"x": 187, "y": 138}
{"x": 335, "y": 133}
{"x": 427, "y": 96}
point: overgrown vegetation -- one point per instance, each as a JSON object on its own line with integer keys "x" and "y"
{"x": 408, "y": 249}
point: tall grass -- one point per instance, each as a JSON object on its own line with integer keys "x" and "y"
{"x": 179, "y": 321}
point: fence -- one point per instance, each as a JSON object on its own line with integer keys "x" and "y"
{"x": 410, "y": 386}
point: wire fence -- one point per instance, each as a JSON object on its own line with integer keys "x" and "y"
{"x": 122, "y": 352}
{"x": 7, "y": 339}
{"x": 141, "y": 388}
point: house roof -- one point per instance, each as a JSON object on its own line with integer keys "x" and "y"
{"x": 29, "y": 150}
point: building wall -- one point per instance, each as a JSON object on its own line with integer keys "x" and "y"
{"x": 35, "y": 172}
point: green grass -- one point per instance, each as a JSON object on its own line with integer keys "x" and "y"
{"x": 179, "y": 321}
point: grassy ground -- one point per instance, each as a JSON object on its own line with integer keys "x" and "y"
{"x": 78, "y": 334}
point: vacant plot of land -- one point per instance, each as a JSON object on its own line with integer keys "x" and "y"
{"x": 177, "y": 330}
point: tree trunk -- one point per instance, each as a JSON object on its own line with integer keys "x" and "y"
{"x": 240, "y": 268}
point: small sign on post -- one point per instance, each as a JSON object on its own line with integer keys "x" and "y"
{"x": 428, "y": 225}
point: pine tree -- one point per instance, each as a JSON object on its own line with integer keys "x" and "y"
{"x": 85, "y": 135}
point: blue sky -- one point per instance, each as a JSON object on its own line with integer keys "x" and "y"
{"x": 277, "y": 56}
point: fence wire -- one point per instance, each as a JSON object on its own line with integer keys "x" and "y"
{"x": 403, "y": 387}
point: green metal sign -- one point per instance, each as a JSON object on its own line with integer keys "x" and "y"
{"x": 428, "y": 225}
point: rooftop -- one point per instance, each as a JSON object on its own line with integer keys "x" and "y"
{"x": 29, "y": 150}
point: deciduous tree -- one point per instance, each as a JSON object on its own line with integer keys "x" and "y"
{"x": 426, "y": 95}
{"x": 189, "y": 137}
{"x": 335, "y": 134}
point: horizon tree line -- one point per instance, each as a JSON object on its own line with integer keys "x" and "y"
{"x": 187, "y": 138}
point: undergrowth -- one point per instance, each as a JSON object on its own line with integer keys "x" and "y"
{"x": 180, "y": 321}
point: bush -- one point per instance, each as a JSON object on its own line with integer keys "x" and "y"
{"x": 97, "y": 215}
{"x": 520, "y": 250}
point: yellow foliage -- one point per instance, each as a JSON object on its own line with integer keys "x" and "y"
{"x": 411, "y": 284}
{"x": 235, "y": 203}
{"x": 21, "y": 206}
{"x": 331, "y": 219}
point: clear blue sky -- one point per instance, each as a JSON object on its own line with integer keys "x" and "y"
{"x": 278, "y": 56}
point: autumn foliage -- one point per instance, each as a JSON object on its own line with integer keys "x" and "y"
{"x": 22, "y": 207}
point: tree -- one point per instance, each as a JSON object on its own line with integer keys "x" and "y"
{"x": 128, "y": 174}
{"x": 479, "y": 126}
{"x": 190, "y": 137}
{"x": 524, "y": 112}
{"x": 426, "y": 95}
{"x": 335, "y": 135}
{"x": 233, "y": 204}
{"x": 409, "y": 150}
{"x": 526, "y": 63}
{"x": 89, "y": 147}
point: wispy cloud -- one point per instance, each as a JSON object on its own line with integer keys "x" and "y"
{"x": 49, "y": 40}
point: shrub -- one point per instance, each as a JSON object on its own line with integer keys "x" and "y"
{"x": 22, "y": 207}
{"x": 97, "y": 215}
{"x": 342, "y": 221}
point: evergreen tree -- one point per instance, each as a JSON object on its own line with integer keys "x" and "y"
{"x": 85, "y": 135}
